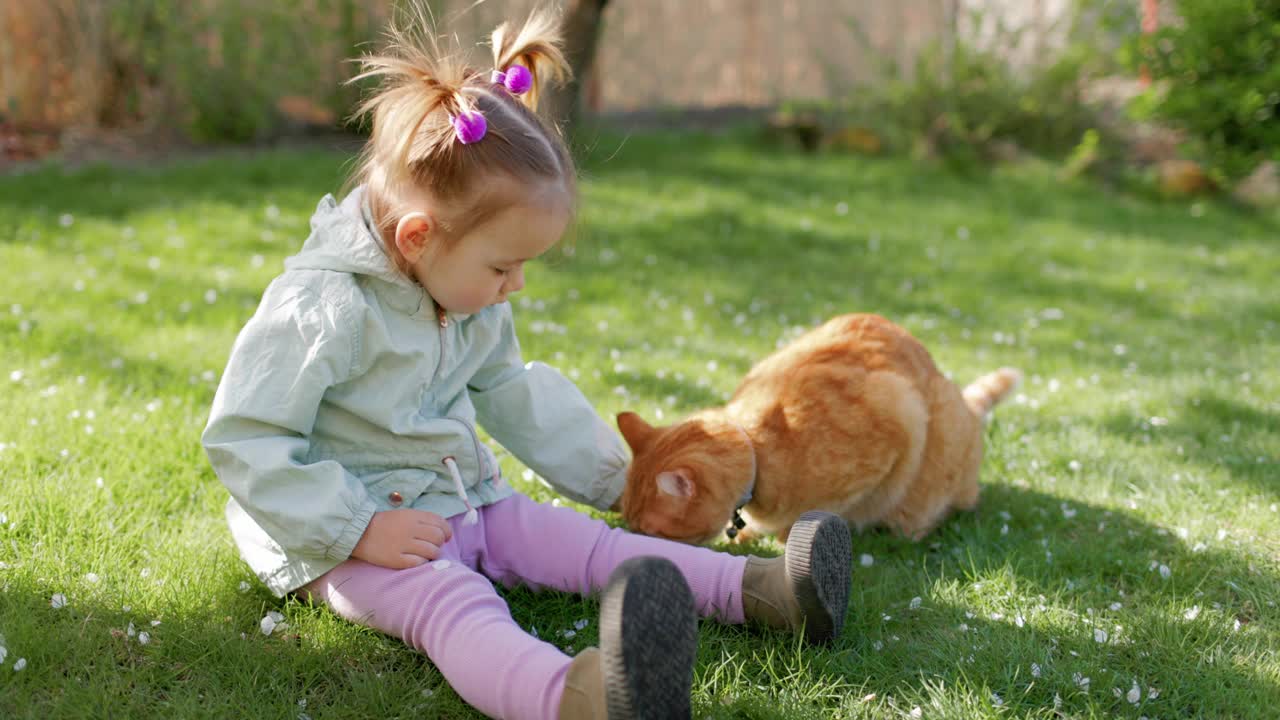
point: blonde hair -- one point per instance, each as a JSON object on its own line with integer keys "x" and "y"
{"x": 414, "y": 146}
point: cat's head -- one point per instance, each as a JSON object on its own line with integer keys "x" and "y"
{"x": 685, "y": 479}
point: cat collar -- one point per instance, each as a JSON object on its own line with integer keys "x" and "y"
{"x": 738, "y": 522}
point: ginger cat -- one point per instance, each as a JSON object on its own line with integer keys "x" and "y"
{"x": 853, "y": 418}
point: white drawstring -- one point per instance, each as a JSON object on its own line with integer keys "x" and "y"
{"x": 472, "y": 516}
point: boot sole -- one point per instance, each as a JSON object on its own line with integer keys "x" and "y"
{"x": 648, "y": 641}
{"x": 819, "y": 565}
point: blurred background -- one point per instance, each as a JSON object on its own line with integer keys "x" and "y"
{"x": 1183, "y": 93}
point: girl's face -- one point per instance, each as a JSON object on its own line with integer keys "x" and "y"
{"x": 486, "y": 265}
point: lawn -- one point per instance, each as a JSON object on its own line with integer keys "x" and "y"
{"x": 1124, "y": 561}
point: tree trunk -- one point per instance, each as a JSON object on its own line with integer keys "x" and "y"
{"x": 581, "y": 28}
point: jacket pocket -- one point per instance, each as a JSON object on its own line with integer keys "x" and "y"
{"x": 394, "y": 489}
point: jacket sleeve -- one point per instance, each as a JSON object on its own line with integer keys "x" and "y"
{"x": 293, "y": 349}
{"x": 546, "y": 422}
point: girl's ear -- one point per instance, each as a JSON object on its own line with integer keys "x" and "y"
{"x": 413, "y": 234}
{"x": 635, "y": 430}
{"x": 677, "y": 483}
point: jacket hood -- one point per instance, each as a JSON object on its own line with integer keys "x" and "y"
{"x": 344, "y": 238}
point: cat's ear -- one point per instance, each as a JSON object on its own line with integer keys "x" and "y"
{"x": 635, "y": 430}
{"x": 678, "y": 482}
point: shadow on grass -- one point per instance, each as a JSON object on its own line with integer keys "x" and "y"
{"x": 1099, "y": 556}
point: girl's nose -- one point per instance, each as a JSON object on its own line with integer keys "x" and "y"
{"x": 515, "y": 280}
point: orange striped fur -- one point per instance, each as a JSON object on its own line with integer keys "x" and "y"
{"x": 852, "y": 417}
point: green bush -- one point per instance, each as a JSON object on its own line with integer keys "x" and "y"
{"x": 221, "y": 67}
{"x": 958, "y": 101}
{"x": 1218, "y": 78}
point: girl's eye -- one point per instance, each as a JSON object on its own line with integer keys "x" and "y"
{"x": 500, "y": 271}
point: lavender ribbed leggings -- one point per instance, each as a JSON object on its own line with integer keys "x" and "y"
{"x": 450, "y": 611}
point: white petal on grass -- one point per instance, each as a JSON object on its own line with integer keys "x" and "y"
{"x": 131, "y": 631}
{"x": 581, "y": 624}
{"x": 4, "y": 652}
{"x": 1099, "y": 635}
{"x": 916, "y": 712}
{"x": 1193, "y": 613}
{"x": 1035, "y": 670}
{"x": 20, "y": 665}
{"x": 867, "y": 560}
{"x": 58, "y": 601}
{"x": 92, "y": 577}
{"x": 270, "y": 622}
{"x": 915, "y": 603}
{"x": 1134, "y": 694}
{"x": 244, "y": 586}
{"x": 144, "y": 638}
{"x": 1165, "y": 572}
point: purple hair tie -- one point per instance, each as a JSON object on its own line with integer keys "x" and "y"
{"x": 517, "y": 79}
{"x": 470, "y": 127}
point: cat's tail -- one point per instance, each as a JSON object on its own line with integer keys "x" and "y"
{"x": 982, "y": 394}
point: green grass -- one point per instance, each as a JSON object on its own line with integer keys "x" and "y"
{"x": 1131, "y": 488}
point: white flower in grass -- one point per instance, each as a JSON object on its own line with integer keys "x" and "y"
{"x": 1081, "y": 681}
{"x": 244, "y": 586}
{"x": 20, "y": 665}
{"x": 916, "y": 712}
{"x": 4, "y": 652}
{"x": 58, "y": 601}
{"x": 1019, "y": 620}
{"x": 1068, "y": 512}
{"x": 1134, "y": 694}
{"x": 1099, "y": 635}
{"x": 915, "y": 603}
{"x": 144, "y": 638}
{"x": 1115, "y": 606}
{"x": 866, "y": 560}
{"x": 271, "y": 621}
{"x": 1035, "y": 670}
{"x": 92, "y": 577}
{"x": 66, "y": 220}
{"x": 1153, "y": 693}
{"x": 581, "y": 624}
{"x": 1165, "y": 572}
{"x": 1193, "y": 613}
{"x": 131, "y": 631}
{"x": 996, "y": 700}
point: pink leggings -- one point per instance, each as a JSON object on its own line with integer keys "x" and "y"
{"x": 450, "y": 611}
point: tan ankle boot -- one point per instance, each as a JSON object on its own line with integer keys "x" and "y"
{"x": 808, "y": 586}
{"x": 583, "y": 697}
{"x": 643, "y": 669}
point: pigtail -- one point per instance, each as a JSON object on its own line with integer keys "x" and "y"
{"x": 537, "y": 47}
{"x": 420, "y": 89}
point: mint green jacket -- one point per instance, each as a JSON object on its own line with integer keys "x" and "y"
{"x": 345, "y": 392}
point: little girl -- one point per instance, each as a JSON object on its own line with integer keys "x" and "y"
{"x": 345, "y": 423}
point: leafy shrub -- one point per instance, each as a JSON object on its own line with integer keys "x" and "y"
{"x": 959, "y": 101}
{"x": 1218, "y": 78}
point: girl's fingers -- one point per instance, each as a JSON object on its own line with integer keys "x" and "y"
{"x": 423, "y": 549}
{"x": 435, "y": 525}
{"x": 410, "y": 560}
{"x": 432, "y": 534}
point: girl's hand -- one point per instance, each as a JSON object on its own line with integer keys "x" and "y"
{"x": 400, "y": 539}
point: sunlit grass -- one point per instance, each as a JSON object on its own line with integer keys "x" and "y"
{"x": 1124, "y": 561}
